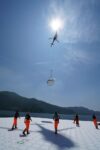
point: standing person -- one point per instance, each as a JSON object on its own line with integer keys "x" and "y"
{"x": 14, "y": 126}
{"x": 27, "y": 123}
{"x": 56, "y": 121}
{"x": 95, "y": 121}
{"x": 76, "y": 120}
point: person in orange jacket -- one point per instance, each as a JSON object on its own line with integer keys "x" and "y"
{"x": 27, "y": 123}
{"x": 14, "y": 126}
{"x": 56, "y": 121}
{"x": 76, "y": 120}
{"x": 95, "y": 121}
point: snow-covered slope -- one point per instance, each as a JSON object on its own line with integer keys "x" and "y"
{"x": 42, "y": 136}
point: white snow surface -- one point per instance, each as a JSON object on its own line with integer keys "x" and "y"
{"x": 42, "y": 136}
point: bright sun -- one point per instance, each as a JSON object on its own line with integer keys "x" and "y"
{"x": 56, "y": 24}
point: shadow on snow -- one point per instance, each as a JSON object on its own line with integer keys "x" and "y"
{"x": 6, "y": 128}
{"x": 47, "y": 121}
{"x": 59, "y": 140}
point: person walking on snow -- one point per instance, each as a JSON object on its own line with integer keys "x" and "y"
{"x": 56, "y": 121}
{"x": 76, "y": 120}
{"x": 95, "y": 121}
{"x": 27, "y": 123}
{"x": 16, "y": 116}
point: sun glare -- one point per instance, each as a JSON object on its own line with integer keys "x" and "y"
{"x": 56, "y": 24}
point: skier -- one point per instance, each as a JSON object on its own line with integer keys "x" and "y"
{"x": 95, "y": 121}
{"x": 27, "y": 123}
{"x": 14, "y": 126}
{"x": 76, "y": 120}
{"x": 56, "y": 121}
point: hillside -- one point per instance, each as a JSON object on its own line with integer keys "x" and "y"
{"x": 11, "y": 101}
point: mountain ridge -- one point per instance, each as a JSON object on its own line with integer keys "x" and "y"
{"x": 11, "y": 101}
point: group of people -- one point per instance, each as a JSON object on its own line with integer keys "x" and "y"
{"x": 26, "y": 121}
{"x": 56, "y": 118}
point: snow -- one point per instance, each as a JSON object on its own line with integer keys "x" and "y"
{"x": 42, "y": 136}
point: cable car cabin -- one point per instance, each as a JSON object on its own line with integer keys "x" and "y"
{"x": 50, "y": 82}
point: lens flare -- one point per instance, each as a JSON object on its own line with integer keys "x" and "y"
{"x": 56, "y": 24}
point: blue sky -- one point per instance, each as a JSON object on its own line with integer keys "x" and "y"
{"x": 26, "y": 57}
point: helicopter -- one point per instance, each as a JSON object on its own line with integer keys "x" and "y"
{"x": 55, "y": 38}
